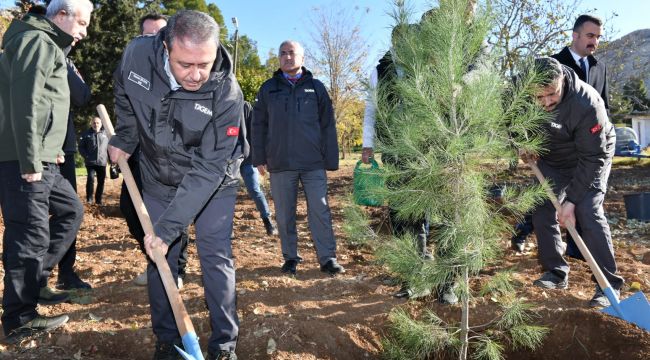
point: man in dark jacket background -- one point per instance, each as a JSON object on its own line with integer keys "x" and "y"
{"x": 93, "y": 147}
{"x": 578, "y": 159}
{"x": 42, "y": 212}
{"x": 177, "y": 98}
{"x": 294, "y": 139}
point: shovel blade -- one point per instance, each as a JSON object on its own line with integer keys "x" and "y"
{"x": 634, "y": 309}
{"x": 191, "y": 345}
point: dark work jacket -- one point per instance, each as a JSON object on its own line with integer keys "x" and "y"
{"x": 580, "y": 138}
{"x": 93, "y": 146}
{"x": 248, "y": 119}
{"x": 597, "y": 72}
{"x": 293, "y": 125}
{"x": 79, "y": 96}
{"x": 190, "y": 141}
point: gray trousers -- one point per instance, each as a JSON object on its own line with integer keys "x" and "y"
{"x": 213, "y": 227}
{"x": 284, "y": 186}
{"x": 594, "y": 228}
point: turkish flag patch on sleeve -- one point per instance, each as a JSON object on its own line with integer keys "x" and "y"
{"x": 596, "y": 129}
{"x": 232, "y": 131}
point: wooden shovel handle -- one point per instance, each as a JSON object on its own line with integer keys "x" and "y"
{"x": 180, "y": 313}
{"x": 600, "y": 277}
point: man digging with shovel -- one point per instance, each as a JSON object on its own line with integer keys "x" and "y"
{"x": 176, "y": 97}
{"x": 580, "y": 146}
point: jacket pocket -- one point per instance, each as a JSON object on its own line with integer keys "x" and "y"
{"x": 48, "y": 124}
{"x": 191, "y": 122}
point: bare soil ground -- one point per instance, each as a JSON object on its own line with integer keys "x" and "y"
{"x": 314, "y": 316}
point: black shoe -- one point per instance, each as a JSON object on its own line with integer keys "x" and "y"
{"x": 270, "y": 228}
{"x": 518, "y": 244}
{"x": 71, "y": 282}
{"x": 37, "y": 326}
{"x": 47, "y": 296}
{"x": 332, "y": 267}
{"x": 600, "y": 299}
{"x": 550, "y": 280}
{"x": 221, "y": 355}
{"x": 289, "y": 267}
{"x": 447, "y": 295}
{"x": 165, "y": 350}
{"x": 89, "y": 201}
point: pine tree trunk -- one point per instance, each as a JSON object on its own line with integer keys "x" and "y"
{"x": 464, "y": 319}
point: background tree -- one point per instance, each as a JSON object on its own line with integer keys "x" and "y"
{"x": 337, "y": 57}
{"x": 636, "y": 93}
{"x": 451, "y": 121}
{"x": 250, "y": 71}
{"x": 530, "y": 27}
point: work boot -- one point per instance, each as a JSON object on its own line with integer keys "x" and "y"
{"x": 141, "y": 280}
{"x": 332, "y": 267}
{"x": 47, "y": 296}
{"x": 600, "y": 299}
{"x": 165, "y": 350}
{"x": 289, "y": 267}
{"x": 221, "y": 355}
{"x": 270, "y": 228}
{"x": 71, "y": 282}
{"x": 550, "y": 280}
{"x": 37, "y": 326}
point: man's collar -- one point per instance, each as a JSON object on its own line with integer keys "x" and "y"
{"x": 576, "y": 57}
{"x": 173, "y": 84}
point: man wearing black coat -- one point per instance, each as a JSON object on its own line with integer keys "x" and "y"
{"x": 587, "y": 32}
{"x": 294, "y": 139}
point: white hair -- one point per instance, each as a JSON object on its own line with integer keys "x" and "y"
{"x": 299, "y": 48}
{"x": 69, "y": 6}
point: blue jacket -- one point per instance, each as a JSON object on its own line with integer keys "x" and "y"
{"x": 293, "y": 125}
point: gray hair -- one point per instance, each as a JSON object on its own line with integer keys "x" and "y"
{"x": 194, "y": 26}
{"x": 549, "y": 70}
{"x": 299, "y": 48}
{"x": 69, "y": 6}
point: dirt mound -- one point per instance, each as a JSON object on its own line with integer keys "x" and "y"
{"x": 314, "y": 316}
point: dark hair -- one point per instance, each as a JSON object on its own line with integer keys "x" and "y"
{"x": 586, "y": 18}
{"x": 195, "y": 26}
{"x": 151, "y": 16}
{"x": 37, "y": 9}
{"x": 549, "y": 70}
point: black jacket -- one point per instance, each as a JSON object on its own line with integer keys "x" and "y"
{"x": 580, "y": 138}
{"x": 597, "y": 72}
{"x": 248, "y": 119}
{"x": 93, "y": 146}
{"x": 79, "y": 96}
{"x": 293, "y": 125}
{"x": 190, "y": 142}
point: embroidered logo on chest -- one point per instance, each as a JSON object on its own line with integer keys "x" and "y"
{"x": 232, "y": 131}
{"x": 138, "y": 79}
{"x": 310, "y": 91}
{"x": 202, "y": 109}
{"x": 556, "y": 125}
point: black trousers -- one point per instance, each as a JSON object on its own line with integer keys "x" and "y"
{"x": 100, "y": 171}
{"x": 131, "y": 216}
{"x": 41, "y": 220}
{"x": 213, "y": 228}
{"x": 66, "y": 265}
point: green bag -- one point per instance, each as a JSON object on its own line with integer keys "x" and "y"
{"x": 368, "y": 183}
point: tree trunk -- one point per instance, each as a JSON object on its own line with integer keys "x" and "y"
{"x": 464, "y": 319}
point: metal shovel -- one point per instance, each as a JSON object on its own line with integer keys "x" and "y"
{"x": 183, "y": 322}
{"x": 634, "y": 309}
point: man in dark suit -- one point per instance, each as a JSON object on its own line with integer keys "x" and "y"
{"x": 587, "y": 32}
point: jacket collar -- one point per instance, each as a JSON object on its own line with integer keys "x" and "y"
{"x": 38, "y": 22}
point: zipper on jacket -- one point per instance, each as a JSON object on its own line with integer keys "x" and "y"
{"x": 170, "y": 119}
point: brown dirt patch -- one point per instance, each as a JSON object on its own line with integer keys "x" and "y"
{"x": 314, "y": 316}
